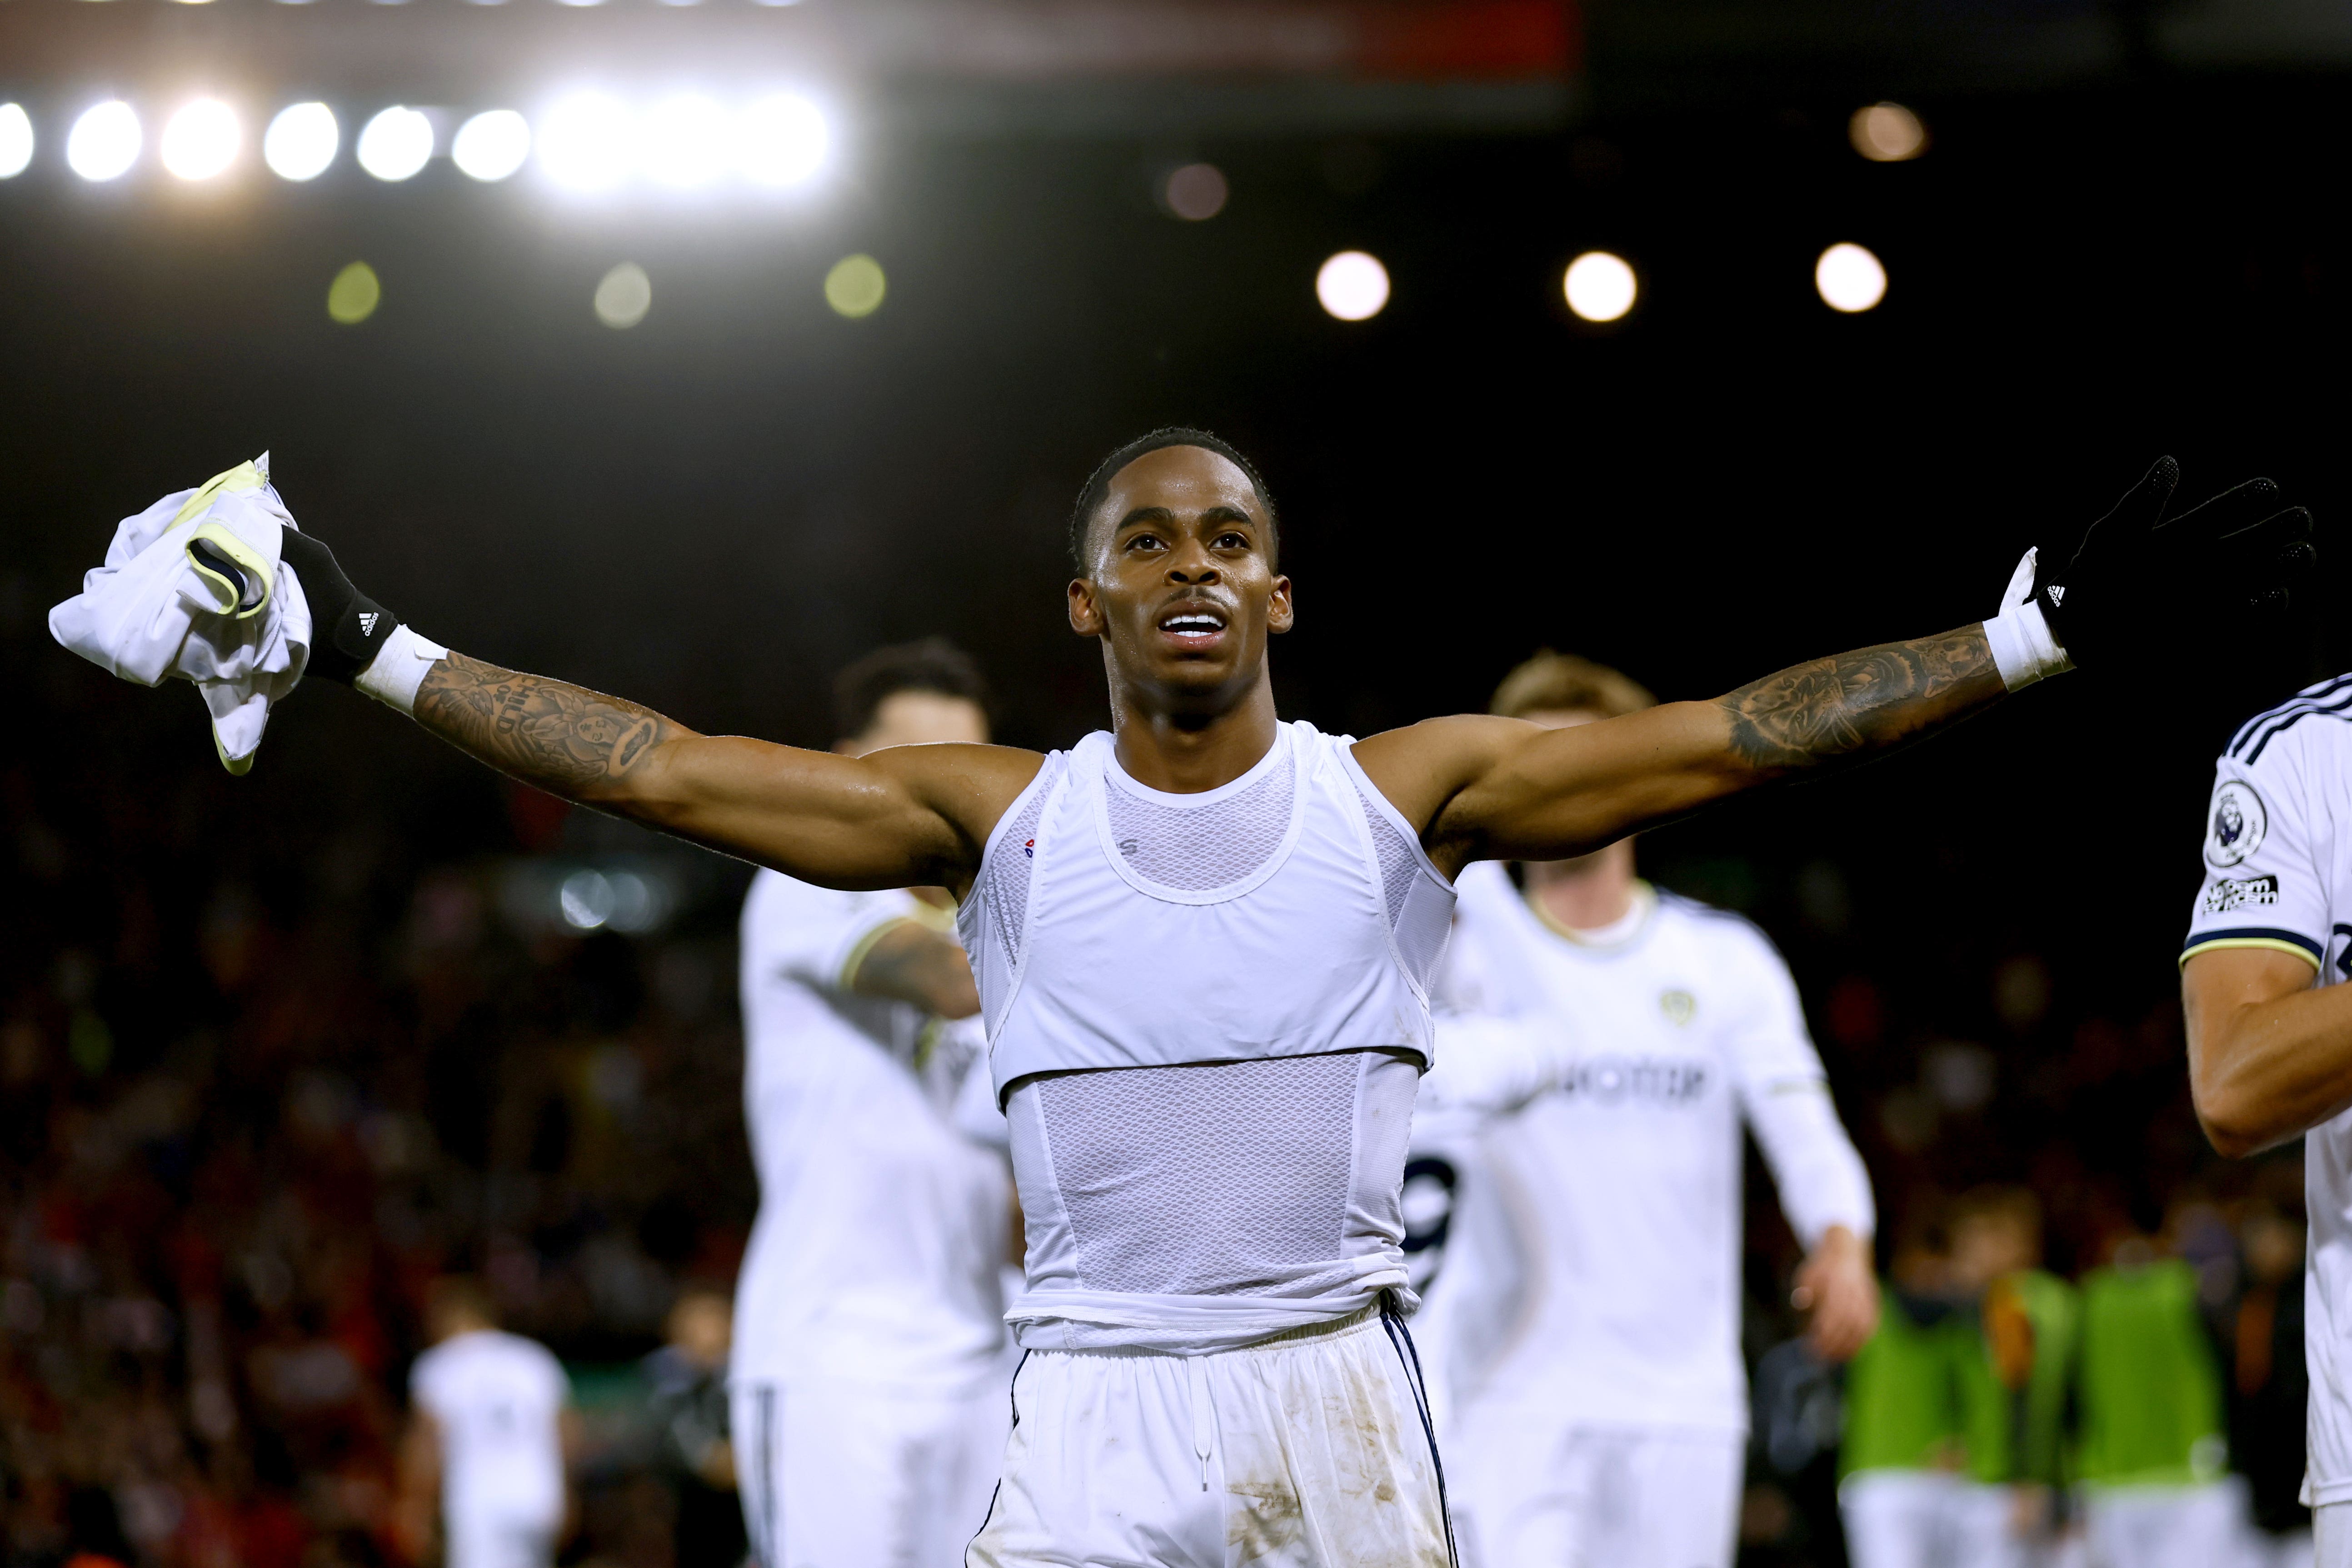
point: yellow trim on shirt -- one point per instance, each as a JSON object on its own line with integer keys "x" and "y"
{"x": 229, "y": 482}
{"x": 848, "y": 979}
{"x": 239, "y": 550}
{"x": 2273, "y": 943}
{"x": 1645, "y": 898}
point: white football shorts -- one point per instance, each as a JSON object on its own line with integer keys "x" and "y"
{"x": 1529, "y": 1494}
{"x": 2163, "y": 1527}
{"x": 843, "y": 1473}
{"x": 2331, "y": 1527}
{"x": 1898, "y": 1519}
{"x": 1308, "y": 1450}
{"x": 483, "y": 1539}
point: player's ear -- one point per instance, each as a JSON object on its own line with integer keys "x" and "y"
{"x": 1280, "y": 611}
{"x": 1086, "y": 615}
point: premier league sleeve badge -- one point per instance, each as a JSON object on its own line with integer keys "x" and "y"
{"x": 2237, "y": 823}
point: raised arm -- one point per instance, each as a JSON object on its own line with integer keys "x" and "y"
{"x": 1517, "y": 791}
{"x": 1486, "y": 788}
{"x": 906, "y": 815}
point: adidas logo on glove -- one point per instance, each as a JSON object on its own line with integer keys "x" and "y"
{"x": 367, "y": 622}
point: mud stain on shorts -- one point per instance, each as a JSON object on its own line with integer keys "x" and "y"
{"x": 1262, "y": 1520}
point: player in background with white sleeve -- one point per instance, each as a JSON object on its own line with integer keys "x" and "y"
{"x": 489, "y": 1429}
{"x": 1603, "y": 1422}
{"x": 2270, "y": 1024}
{"x": 867, "y": 1389}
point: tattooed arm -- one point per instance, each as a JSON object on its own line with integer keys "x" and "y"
{"x": 908, "y": 815}
{"x": 1484, "y": 788}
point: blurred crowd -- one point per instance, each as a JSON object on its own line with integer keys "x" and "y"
{"x": 256, "y": 1096}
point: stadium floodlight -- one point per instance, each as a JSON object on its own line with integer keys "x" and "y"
{"x": 1195, "y": 192}
{"x": 783, "y": 139}
{"x": 395, "y": 143}
{"x": 855, "y": 287}
{"x": 16, "y": 140}
{"x": 492, "y": 144}
{"x": 623, "y": 295}
{"x": 585, "y": 900}
{"x": 685, "y": 141}
{"x": 1850, "y": 278}
{"x": 586, "y": 142}
{"x": 200, "y": 140}
{"x": 301, "y": 142}
{"x": 1886, "y": 134}
{"x": 1353, "y": 285}
{"x": 1599, "y": 287}
{"x": 354, "y": 294}
{"x": 104, "y": 142}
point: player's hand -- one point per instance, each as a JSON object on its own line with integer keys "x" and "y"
{"x": 347, "y": 628}
{"x": 1835, "y": 1285}
{"x": 2140, "y": 578}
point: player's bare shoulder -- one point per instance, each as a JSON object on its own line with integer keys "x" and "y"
{"x": 1422, "y": 766}
{"x": 970, "y": 785}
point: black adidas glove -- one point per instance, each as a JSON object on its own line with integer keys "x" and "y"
{"x": 347, "y": 628}
{"x": 2137, "y": 571}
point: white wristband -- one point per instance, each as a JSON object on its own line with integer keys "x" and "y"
{"x": 398, "y": 669}
{"x": 2024, "y": 649}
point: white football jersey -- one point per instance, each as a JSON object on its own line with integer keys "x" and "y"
{"x": 497, "y": 1400}
{"x": 2278, "y": 874}
{"x": 1592, "y": 1268}
{"x": 881, "y": 1227}
{"x": 1208, "y": 1016}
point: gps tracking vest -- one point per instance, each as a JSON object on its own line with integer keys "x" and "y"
{"x": 1287, "y": 914}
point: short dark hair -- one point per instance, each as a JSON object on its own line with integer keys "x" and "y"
{"x": 1098, "y": 485}
{"x": 934, "y": 664}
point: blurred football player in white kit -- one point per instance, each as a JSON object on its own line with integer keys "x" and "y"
{"x": 867, "y": 1390}
{"x": 1589, "y": 1304}
{"x": 486, "y": 1438}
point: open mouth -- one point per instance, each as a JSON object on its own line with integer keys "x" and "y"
{"x": 1192, "y": 629}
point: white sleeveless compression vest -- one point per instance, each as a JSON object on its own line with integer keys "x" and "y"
{"x": 1206, "y": 1019}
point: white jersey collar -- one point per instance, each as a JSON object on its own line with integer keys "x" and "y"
{"x": 1620, "y": 933}
{"x": 1121, "y": 778}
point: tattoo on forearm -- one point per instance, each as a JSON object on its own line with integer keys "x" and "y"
{"x": 1860, "y": 702}
{"x": 564, "y": 738}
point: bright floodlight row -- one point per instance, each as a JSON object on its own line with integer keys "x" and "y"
{"x": 1601, "y": 287}
{"x": 589, "y": 142}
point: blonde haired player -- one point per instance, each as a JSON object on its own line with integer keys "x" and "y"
{"x": 1203, "y": 938}
{"x": 1600, "y": 1408}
